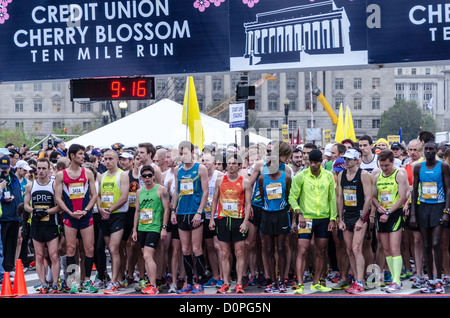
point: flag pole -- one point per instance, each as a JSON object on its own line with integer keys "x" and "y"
{"x": 186, "y": 98}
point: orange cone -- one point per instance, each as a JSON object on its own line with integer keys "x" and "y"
{"x": 6, "y": 286}
{"x": 19, "y": 285}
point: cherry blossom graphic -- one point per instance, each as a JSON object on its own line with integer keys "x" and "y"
{"x": 217, "y": 2}
{"x": 3, "y": 15}
{"x": 4, "y": 3}
{"x": 250, "y": 3}
{"x": 201, "y": 5}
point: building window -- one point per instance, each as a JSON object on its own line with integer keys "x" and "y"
{"x": 338, "y": 101}
{"x": 272, "y": 85}
{"x": 376, "y": 82}
{"x": 413, "y": 71}
{"x": 399, "y": 71}
{"x": 18, "y": 87}
{"x": 86, "y": 107}
{"x": 56, "y": 86}
{"x": 291, "y": 84}
{"x": 18, "y": 105}
{"x": 38, "y": 105}
{"x": 57, "y": 125}
{"x": 376, "y": 103}
{"x": 357, "y": 83}
{"x": 56, "y": 105}
{"x": 274, "y": 124}
{"x": 357, "y": 103}
{"x": 357, "y": 123}
{"x": 414, "y": 86}
{"x": 292, "y": 124}
{"x": 427, "y": 86}
{"x": 414, "y": 97}
{"x": 339, "y": 83}
{"x": 308, "y": 124}
{"x": 427, "y": 71}
{"x": 376, "y": 123}
{"x": 142, "y": 104}
{"x": 400, "y": 96}
{"x": 37, "y": 87}
{"x": 273, "y": 104}
{"x": 217, "y": 84}
{"x": 37, "y": 126}
{"x": 399, "y": 87}
{"x": 427, "y": 96}
{"x": 19, "y": 125}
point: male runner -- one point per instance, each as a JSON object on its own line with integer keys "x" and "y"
{"x": 113, "y": 207}
{"x": 313, "y": 200}
{"x": 432, "y": 214}
{"x": 353, "y": 196}
{"x": 389, "y": 195}
{"x": 76, "y": 195}
{"x": 150, "y": 222}
{"x": 44, "y": 229}
{"x": 232, "y": 196}
{"x": 190, "y": 196}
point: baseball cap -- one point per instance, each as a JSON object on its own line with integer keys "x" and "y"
{"x": 5, "y": 151}
{"x": 24, "y": 165}
{"x": 96, "y": 152}
{"x": 126, "y": 155}
{"x": 338, "y": 165}
{"x": 57, "y": 141}
{"x": 328, "y": 148}
{"x": 396, "y": 145}
{"x": 315, "y": 155}
{"x": 5, "y": 162}
{"x": 117, "y": 146}
{"x": 351, "y": 154}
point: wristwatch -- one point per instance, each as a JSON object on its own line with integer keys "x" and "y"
{"x": 387, "y": 213}
{"x": 164, "y": 226}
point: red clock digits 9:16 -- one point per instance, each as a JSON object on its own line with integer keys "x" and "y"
{"x": 138, "y": 88}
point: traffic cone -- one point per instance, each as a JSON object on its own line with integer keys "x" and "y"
{"x": 19, "y": 285}
{"x": 6, "y": 286}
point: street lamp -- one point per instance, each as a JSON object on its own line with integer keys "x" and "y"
{"x": 123, "y": 105}
{"x": 286, "y": 103}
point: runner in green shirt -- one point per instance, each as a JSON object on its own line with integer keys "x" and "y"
{"x": 150, "y": 222}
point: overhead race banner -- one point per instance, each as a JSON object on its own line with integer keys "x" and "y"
{"x": 408, "y": 30}
{"x": 69, "y": 39}
{"x": 46, "y": 39}
{"x": 297, "y": 34}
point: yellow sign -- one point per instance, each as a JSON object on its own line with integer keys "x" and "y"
{"x": 327, "y": 136}
{"x": 393, "y": 138}
{"x": 285, "y": 132}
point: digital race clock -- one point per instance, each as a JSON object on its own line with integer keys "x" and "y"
{"x": 114, "y": 88}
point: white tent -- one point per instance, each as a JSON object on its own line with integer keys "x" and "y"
{"x": 160, "y": 124}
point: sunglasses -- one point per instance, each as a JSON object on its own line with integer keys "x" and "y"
{"x": 144, "y": 176}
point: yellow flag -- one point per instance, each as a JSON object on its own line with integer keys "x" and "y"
{"x": 351, "y": 128}
{"x": 340, "y": 132}
{"x": 191, "y": 115}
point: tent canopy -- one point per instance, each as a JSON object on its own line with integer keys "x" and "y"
{"x": 160, "y": 124}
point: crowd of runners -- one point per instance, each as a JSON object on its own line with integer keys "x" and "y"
{"x": 349, "y": 216}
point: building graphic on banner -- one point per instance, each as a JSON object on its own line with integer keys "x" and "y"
{"x": 305, "y": 35}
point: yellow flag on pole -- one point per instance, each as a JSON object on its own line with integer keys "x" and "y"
{"x": 340, "y": 130}
{"x": 350, "y": 128}
{"x": 191, "y": 115}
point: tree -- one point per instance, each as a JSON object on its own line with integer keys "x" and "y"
{"x": 408, "y": 116}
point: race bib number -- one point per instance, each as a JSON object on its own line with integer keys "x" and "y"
{"x": 274, "y": 191}
{"x": 307, "y": 228}
{"x": 76, "y": 191}
{"x": 132, "y": 199}
{"x": 429, "y": 190}
{"x": 146, "y": 216}
{"x": 107, "y": 199}
{"x": 386, "y": 199}
{"x": 230, "y": 208}
{"x": 349, "y": 197}
{"x": 186, "y": 186}
{"x": 43, "y": 207}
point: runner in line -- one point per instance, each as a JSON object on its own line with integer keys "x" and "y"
{"x": 75, "y": 194}
{"x": 44, "y": 230}
{"x": 113, "y": 207}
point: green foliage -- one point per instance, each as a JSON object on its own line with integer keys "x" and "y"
{"x": 16, "y": 136}
{"x": 408, "y": 116}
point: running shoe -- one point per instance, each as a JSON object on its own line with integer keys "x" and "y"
{"x": 252, "y": 280}
{"x": 406, "y": 274}
{"x": 186, "y": 289}
{"x": 393, "y": 288}
{"x": 355, "y": 288}
{"x": 343, "y": 284}
{"x": 224, "y": 289}
{"x": 141, "y": 285}
{"x": 239, "y": 289}
{"x": 320, "y": 288}
{"x": 172, "y": 289}
{"x": 429, "y": 287}
{"x": 43, "y": 290}
{"x": 73, "y": 288}
{"x": 121, "y": 285}
{"x": 418, "y": 283}
{"x": 88, "y": 287}
{"x": 299, "y": 289}
{"x": 439, "y": 287}
{"x": 210, "y": 283}
{"x": 197, "y": 289}
{"x": 111, "y": 289}
{"x": 282, "y": 288}
{"x": 272, "y": 288}
{"x": 99, "y": 284}
{"x": 150, "y": 290}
